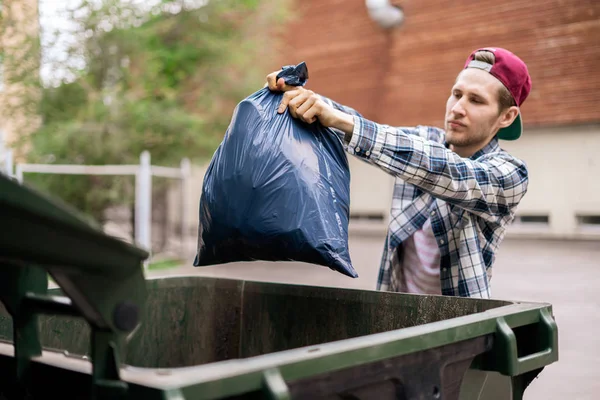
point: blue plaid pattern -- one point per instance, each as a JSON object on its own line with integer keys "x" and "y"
{"x": 470, "y": 200}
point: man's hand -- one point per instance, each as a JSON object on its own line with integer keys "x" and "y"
{"x": 277, "y": 85}
{"x": 308, "y": 106}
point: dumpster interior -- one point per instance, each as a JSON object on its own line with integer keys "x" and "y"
{"x": 196, "y": 320}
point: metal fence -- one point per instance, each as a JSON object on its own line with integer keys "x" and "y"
{"x": 6, "y": 162}
{"x": 6, "y": 158}
{"x": 143, "y": 173}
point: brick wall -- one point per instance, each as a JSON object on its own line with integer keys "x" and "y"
{"x": 403, "y": 77}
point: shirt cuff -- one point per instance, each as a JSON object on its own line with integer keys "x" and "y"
{"x": 367, "y": 138}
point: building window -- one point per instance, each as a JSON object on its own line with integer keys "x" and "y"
{"x": 588, "y": 221}
{"x": 532, "y": 220}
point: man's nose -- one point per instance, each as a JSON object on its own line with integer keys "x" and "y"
{"x": 458, "y": 108}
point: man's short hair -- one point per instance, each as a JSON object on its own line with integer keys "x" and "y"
{"x": 505, "y": 99}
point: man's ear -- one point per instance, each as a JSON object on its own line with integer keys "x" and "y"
{"x": 508, "y": 116}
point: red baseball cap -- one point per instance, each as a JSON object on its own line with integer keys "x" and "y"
{"x": 512, "y": 72}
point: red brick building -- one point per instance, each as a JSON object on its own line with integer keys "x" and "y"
{"x": 402, "y": 76}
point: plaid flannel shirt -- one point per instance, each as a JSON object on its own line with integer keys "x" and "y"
{"x": 470, "y": 200}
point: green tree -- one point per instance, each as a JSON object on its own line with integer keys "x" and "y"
{"x": 163, "y": 77}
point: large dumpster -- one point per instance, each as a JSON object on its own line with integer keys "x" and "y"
{"x": 109, "y": 333}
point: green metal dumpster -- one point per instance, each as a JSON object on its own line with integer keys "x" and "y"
{"x": 110, "y": 333}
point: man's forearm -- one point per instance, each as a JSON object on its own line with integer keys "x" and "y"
{"x": 345, "y": 123}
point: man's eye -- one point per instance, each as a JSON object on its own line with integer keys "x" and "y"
{"x": 476, "y": 100}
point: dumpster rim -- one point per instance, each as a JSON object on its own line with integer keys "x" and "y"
{"x": 187, "y": 282}
{"x": 378, "y": 344}
{"x": 237, "y": 376}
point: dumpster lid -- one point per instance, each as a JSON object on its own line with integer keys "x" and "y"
{"x": 102, "y": 276}
{"x": 28, "y": 214}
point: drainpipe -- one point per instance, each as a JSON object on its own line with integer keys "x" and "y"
{"x": 384, "y": 13}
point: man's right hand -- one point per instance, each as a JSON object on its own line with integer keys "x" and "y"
{"x": 278, "y": 85}
{"x": 308, "y": 106}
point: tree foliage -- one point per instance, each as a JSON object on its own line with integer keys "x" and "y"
{"x": 162, "y": 77}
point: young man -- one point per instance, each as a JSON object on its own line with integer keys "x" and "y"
{"x": 456, "y": 190}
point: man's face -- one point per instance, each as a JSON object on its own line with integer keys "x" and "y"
{"x": 472, "y": 109}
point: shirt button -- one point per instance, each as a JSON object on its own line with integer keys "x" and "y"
{"x": 410, "y": 228}
{"x": 442, "y": 241}
{"x": 433, "y": 213}
{"x": 444, "y": 269}
{"x": 357, "y": 149}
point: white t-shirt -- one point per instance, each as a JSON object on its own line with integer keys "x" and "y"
{"x": 421, "y": 263}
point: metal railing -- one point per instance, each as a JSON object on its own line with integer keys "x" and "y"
{"x": 143, "y": 172}
{"x": 6, "y": 158}
{"x": 6, "y": 163}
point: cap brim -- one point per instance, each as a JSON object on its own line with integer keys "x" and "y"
{"x": 513, "y": 131}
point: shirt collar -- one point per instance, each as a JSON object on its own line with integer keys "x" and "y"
{"x": 492, "y": 147}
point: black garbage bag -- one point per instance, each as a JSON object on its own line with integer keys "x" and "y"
{"x": 277, "y": 189}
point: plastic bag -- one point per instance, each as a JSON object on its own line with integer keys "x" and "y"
{"x": 277, "y": 189}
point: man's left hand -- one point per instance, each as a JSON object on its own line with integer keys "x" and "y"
{"x": 308, "y": 106}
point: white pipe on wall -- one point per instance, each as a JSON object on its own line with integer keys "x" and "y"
{"x": 384, "y": 13}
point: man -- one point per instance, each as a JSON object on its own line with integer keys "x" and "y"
{"x": 456, "y": 190}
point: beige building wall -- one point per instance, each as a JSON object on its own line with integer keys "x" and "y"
{"x": 563, "y": 199}
{"x": 564, "y": 167}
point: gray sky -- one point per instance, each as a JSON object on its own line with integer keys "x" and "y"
{"x": 54, "y": 18}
